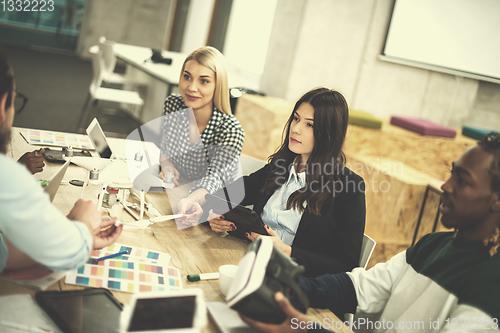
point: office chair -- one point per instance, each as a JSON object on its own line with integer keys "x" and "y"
{"x": 97, "y": 93}
{"x": 109, "y": 57}
{"x": 367, "y": 248}
{"x": 250, "y": 164}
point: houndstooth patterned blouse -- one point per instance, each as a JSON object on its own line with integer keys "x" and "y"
{"x": 213, "y": 159}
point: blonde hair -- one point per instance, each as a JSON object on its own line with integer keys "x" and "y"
{"x": 211, "y": 58}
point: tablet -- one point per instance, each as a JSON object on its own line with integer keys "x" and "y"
{"x": 245, "y": 219}
{"x": 82, "y": 311}
{"x": 180, "y": 311}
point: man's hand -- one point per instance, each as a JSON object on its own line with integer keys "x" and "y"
{"x": 288, "y": 325}
{"x": 103, "y": 231}
{"x": 107, "y": 233}
{"x": 33, "y": 161}
{"x": 86, "y": 212}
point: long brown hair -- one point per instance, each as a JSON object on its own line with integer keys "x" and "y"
{"x": 327, "y": 159}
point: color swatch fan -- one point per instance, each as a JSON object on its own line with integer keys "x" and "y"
{"x": 138, "y": 270}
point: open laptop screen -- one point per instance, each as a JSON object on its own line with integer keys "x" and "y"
{"x": 94, "y": 131}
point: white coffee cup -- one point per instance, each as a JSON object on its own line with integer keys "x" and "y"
{"x": 226, "y": 276}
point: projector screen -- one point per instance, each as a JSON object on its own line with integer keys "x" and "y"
{"x": 460, "y": 37}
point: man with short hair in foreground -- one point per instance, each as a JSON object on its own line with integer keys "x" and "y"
{"x": 448, "y": 281}
{"x": 32, "y": 230}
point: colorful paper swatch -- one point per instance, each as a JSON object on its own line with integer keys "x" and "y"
{"x": 128, "y": 276}
{"x": 57, "y": 139}
{"x": 136, "y": 254}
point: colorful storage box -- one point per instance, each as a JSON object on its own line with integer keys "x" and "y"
{"x": 364, "y": 119}
{"x": 423, "y": 127}
{"x": 476, "y": 133}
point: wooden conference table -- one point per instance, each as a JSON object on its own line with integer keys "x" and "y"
{"x": 193, "y": 250}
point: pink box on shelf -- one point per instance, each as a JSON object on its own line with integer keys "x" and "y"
{"x": 423, "y": 126}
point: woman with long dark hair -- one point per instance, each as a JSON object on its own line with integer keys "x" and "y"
{"x": 313, "y": 206}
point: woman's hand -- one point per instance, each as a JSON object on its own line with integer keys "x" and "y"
{"x": 300, "y": 321}
{"x": 218, "y": 224}
{"x": 192, "y": 212}
{"x": 167, "y": 166}
{"x": 274, "y": 237}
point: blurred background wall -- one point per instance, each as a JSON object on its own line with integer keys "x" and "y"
{"x": 284, "y": 46}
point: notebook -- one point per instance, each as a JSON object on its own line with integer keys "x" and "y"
{"x": 24, "y": 310}
{"x": 55, "y": 181}
{"x": 226, "y": 320}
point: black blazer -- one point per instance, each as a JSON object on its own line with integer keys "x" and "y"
{"x": 330, "y": 243}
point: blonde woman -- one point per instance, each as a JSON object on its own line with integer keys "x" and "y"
{"x": 209, "y": 151}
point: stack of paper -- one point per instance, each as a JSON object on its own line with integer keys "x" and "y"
{"x": 22, "y": 312}
{"x": 57, "y": 139}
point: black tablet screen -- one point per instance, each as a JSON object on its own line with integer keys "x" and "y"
{"x": 163, "y": 313}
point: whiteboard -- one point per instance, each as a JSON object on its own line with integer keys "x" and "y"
{"x": 457, "y": 36}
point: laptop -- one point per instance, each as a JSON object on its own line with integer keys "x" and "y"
{"x": 117, "y": 148}
{"x": 120, "y": 151}
{"x": 55, "y": 181}
{"x": 98, "y": 139}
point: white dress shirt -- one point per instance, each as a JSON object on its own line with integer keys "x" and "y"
{"x": 35, "y": 226}
{"x": 276, "y": 216}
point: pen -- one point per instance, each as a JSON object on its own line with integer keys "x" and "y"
{"x": 23, "y": 327}
{"x": 205, "y": 276}
{"x": 112, "y": 255}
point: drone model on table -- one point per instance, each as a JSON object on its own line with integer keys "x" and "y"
{"x": 114, "y": 178}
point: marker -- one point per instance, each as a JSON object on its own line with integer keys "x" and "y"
{"x": 112, "y": 255}
{"x": 205, "y": 276}
{"x": 23, "y": 327}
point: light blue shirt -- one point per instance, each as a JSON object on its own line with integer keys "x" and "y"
{"x": 35, "y": 226}
{"x": 276, "y": 216}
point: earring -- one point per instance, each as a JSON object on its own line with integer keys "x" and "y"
{"x": 493, "y": 242}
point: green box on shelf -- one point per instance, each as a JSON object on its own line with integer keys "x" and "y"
{"x": 475, "y": 132}
{"x": 364, "y": 119}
